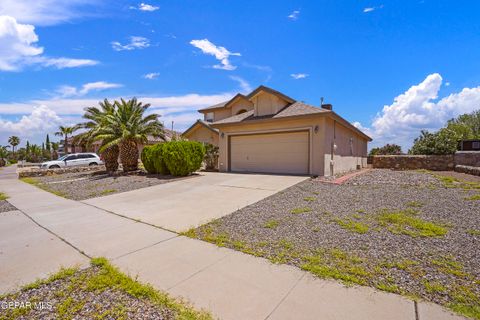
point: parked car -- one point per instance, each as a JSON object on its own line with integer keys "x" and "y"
{"x": 73, "y": 160}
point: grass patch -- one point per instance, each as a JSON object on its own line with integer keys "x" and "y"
{"x": 434, "y": 287}
{"x": 309, "y": 199}
{"x": 475, "y": 197}
{"x": 107, "y": 191}
{"x": 271, "y": 224}
{"x": 389, "y": 287}
{"x": 104, "y": 277}
{"x": 406, "y": 222}
{"x": 473, "y": 232}
{"x": 300, "y": 210}
{"x": 3, "y": 196}
{"x": 38, "y": 184}
{"x": 353, "y": 226}
{"x": 414, "y": 204}
{"x": 336, "y": 264}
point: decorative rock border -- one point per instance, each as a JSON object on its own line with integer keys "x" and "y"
{"x": 468, "y": 169}
{"x": 38, "y": 172}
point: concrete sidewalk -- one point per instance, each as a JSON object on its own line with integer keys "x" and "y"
{"x": 230, "y": 284}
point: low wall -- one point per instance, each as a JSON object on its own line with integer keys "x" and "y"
{"x": 37, "y": 172}
{"x": 467, "y": 158}
{"x": 468, "y": 169}
{"x": 414, "y": 162}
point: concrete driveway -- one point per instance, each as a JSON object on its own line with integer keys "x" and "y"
{"x": 183, "y": 204}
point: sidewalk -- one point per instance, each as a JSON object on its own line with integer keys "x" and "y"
{"x": 230, "y": 284}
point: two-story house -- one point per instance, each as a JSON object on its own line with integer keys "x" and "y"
{"x": 267, "y": 131}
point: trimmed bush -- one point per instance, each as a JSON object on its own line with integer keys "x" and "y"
{"x": 183, "y": 157}
{"x": 152, "y": 159}
{"x": 147, "y": 159}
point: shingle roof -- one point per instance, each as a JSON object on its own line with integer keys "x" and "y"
{"x": 200, "y": 122}
{"x": 216, "y": 106}
{"x": 295, "y": 109}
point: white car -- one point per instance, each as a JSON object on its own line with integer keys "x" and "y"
{"x": 73, "y": 160}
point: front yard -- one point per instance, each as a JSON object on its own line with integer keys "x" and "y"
{"x": 91, "y": 184}
{"x": 410, "y": 232}
{"x": 98, "y": 292}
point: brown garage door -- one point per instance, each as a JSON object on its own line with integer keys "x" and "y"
{"x": 286, "y": 152}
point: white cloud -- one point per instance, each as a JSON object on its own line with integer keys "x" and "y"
{"x": 18, "y": 48}
{"x": 294, "y": 15}
{"x": 220, "y": 53}
{"x": 419, "y": 108}
{"x": 447, "y": 84}
{"x": 135, "y": 43}
{"x": 46, "y": 12}
{"x": 39, "y": 121}
{"x": 244, "y": 85}
{"x": 69, "y": 91}
{"x": 370, "y": 9}
{"x": 151, "y": 76}
{"x": 62, "y": 63}
{"x": 297, "y": 76}
{"x": 147, "y": 7}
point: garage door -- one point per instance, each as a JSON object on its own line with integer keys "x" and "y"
{"x": 270, "y": 153}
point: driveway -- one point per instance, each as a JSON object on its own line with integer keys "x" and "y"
{"x": 188, "y": 203}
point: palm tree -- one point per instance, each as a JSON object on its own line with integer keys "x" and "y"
{"x": 65, "y": 132}
{"x": 55, "y": 146}
{"x": 96, "y": 122}
{"x": 14, "y": 141}
{"x": 126, "y": 127}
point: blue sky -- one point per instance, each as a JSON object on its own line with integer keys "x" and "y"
{"x": 391, "y": 67}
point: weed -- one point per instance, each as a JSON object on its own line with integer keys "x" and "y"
{"x": 389, "y": 287}
{"x": 434, "y": 287}
{"x": 473, "y": 232}
{"x": 473, "y": 198}
{"x": 353, "y": 226}
{"x": 309, "y": 199}
{"x": 3, "y": 196}
{"x": 405, "y": 222}
{"x": 414, "y": 204}
{"x": 271, "y": 224}
{"x": 107, "y": 191}
{"x": 300, "y": 210}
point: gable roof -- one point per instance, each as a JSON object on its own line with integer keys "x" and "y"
{"x": 226, "y": 104}
{"x": 294, "y": 110}
{"x": 271, "y": 91}
{"x": 199, "y": 123}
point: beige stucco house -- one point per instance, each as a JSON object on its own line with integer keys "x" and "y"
{"x": 267, "y": 131}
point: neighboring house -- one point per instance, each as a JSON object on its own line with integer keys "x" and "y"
{"x": 267, "y": 131}
{"x": 469, "y": 145}
{"x": 202, "y": 131}
{"x": 74, "y": 147}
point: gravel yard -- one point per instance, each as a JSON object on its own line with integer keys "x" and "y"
{"x": 410, "y": 232}
{"x": 98, "y": 292}
{"x": 5, "y": 206}
{"x": 86, "y": 185}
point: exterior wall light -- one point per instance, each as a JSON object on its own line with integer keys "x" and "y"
{"x": 222, "y": 135}
{"x": 316, "y": 129}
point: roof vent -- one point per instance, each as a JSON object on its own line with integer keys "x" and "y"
{"x": 327, "y": 106}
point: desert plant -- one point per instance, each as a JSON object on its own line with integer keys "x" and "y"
{"x": 183, "y": 157}
{"x": 96, "y": 121}
{"x": 211, "y": 156}
{"x": 126, "y": 127}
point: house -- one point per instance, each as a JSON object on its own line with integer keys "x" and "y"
{"x": 73, "y": 146}
{"x": 469, "y": 145}
{"x": 267, "y": 131}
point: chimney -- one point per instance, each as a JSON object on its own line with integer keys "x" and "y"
{"x": 327, "y": 106}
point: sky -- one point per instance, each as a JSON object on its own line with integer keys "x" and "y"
{"x": 392, "y": 68}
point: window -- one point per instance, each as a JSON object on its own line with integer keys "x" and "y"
{"x": 476, "y": 145}
{"x": 72, "y": 157}
{"x": 209, "y": 117}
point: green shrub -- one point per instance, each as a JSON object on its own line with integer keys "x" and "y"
{"x": 183, "y": 157}
{"x": 153, "y": 160}
{"x": 147, "y": 160}
{"x": 211, "y": 156}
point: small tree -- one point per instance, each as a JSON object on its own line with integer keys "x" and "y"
{"x": 211, "y": 156}
{"x": 65, "y": 132}
{"x": 444, "y": 141}
{"x": 14, "y": 141}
